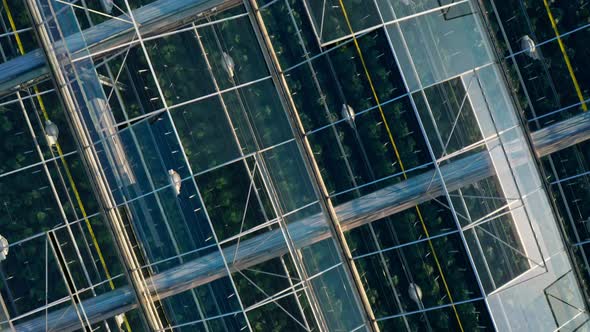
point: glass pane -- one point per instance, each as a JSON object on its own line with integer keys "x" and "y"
{"x": 439, "y": 46}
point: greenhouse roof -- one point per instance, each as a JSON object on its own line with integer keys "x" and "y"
{"x": 294, "y": 165}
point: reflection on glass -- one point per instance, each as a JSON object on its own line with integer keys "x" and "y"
{"x": 439, "y": 46}
{"x": 330, "y": 23}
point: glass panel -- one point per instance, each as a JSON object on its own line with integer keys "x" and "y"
{"x": 282, "y": 18}
{"x": 567, "y": 305}
{"x": 498, "y": 251}
{"x": 449, "y": 117}
{"x": 233, "y": 52}
{"x": 272, "y": 279}
{"x": 28, "y": 204}
{"x": 235, "y": 198}
{"x": 330, "y": 285}
{"x": 402, "y": 228}
{"x": 24, "y": 274}
{"x": 417, "y": 276}
{"x": 329, "y": 20}
{"x": 205, "y": 134}
{"x": 473, "y": 317}
{"x": 177, "y": 61}
{"x": 392, "y": 9}
{"x": 18, "y": 148}
{"x": 290, "y": 177}
{"x": 169, "y": 224}
{"x": 440, "y": 47}
{"x": 257, "y": 115}
{"x": 207, "y": 302}
{"x": 361, "y": 153}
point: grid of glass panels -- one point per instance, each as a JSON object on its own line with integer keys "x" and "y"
{"x": 60, "y": 249}
{"x": 551, "y": 82}
{"x": 195, "y": 137}
{"x": 453, "y": 95}
{"x": 199, "y": 169}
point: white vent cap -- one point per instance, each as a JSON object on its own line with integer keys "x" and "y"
{"x": 51, "y": 132}
{"x": 175, "y": 180}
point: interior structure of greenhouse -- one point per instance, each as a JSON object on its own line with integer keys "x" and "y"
{"x": 294, "y": 165}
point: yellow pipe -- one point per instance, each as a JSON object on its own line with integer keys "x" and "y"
{"x": 65, "y": 164}
{"x": 565, "y": 56}
{"x": 397, "y": 155}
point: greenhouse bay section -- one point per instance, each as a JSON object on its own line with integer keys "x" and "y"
{"x": 294, "y": 165}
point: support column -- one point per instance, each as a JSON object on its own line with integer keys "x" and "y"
{"x": 311, "y": 165}
{"x": 90, "y": 157}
